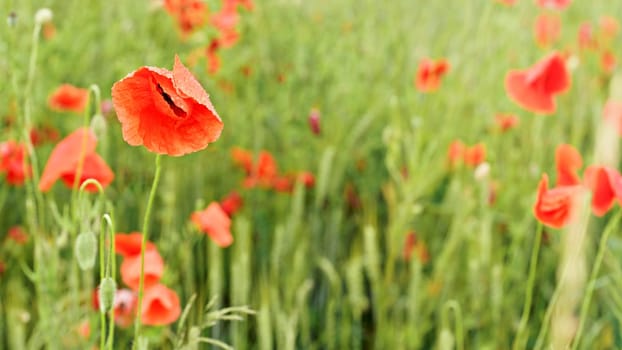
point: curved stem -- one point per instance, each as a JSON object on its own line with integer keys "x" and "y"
{"x": 145, "y": 232}
{"x": 531, "y": 279}
{"x": 602, "y": 247}
{"x": 455, "y": 306}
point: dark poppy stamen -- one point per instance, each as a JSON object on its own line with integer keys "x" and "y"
{"x": 167, "y": 98}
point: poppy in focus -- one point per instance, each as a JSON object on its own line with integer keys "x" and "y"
{"x": 429, "y": 74}
{"x": 215, "y": 222}
{"x": 554, "y": 206}
{"x": 166, "y": 111}
{"x": 567, "y": 162}
{"x": 606, "y": 186}
{"x": 75, "y": 151}
{"x": 535, "y": 88}
{"x": 12, "y": 162}
{"x": 160, "y": 306}
{"x": 154, "y": 267}
{"x": 69, "y": 98}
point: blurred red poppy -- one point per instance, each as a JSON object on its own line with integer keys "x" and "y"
{"x": 612, "y": 112}
{"x": 213, "y": 60}
{"x": 455, "y": 153}
{"x": 128, "y": 245}
{"x": 226, "y": 21}
{"x": 568, "y": 161}
{"x": 189, "y": 14}
{"x": 18, "y": 235}
{"x": 586, "y": 36}
{"x": 475, "y": 154}
{"x": 264, "y": 173}
{"x": 65, "y": 159}
{"x": 413, "y": 245}
{"x": 535, "y": 88}
{"x": 314, "y": 121}
{"x": 608, "y": 62}
{"x": 506, "y": 121}
{"x": 553, "y": 4}
{"x": 609, "y": 26}
{"x": 606, "y": 186}
{"x": 130, "y": 269}
{"x": 547, "y": 29}
{"x": 69, "y": 98}
{"x": 12, "y": 162}
{"x": 160, "y": 306}
{"x": 242, "y": 158}
{"x": 554, "y": 206}
{"x": 429, "y": 74}
{"x": 232, "y": 203}
{"x": 167, "y": 112}
{"x": 215, "y": 222}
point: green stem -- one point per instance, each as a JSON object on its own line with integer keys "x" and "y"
{"x": 531, "y": 279}
{"x": 455, "y": 306}
{"x": 145, "y": 233}
{"x": 585, "y": 306}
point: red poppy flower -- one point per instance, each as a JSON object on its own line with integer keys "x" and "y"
{"x": 535, "y": 88}
{"x": 69, "y": 98}
{"x": 215, "y": 222}
{"x": 12, "y": 159}
{"x": 547, "y": 29}
{"x": 475, "y": 154}
{"x": 429, "y": 74}
{"x": 65, "y": 159}
{"x": 39, "y": 136}
{"x": 130, "y": 269}
{"x": 282, "y": 184}
{"x": 606, "y": 186}
{"x": 18, "y": 235}
{"x": 554, "y": 206}
{"x": 553, "y": 4}
{"x": 506, "y": 121}
{"x": 213, "y": 60}
{"x": 608, "y": 62}
{"x": 567, "y": 161}
{"x": 586, "y": 36}
{"x": 189, "y": 14}
{"x": 306, "y": 178}
{"x": 609, "y": 26}
{"x": 128, "y": 245}
{"x": 414, "y": 245}
{"x": 167, "y": 112}
{"x": 264, "y": 173}
{"x": 314, "y": 121}
{"x": 231, "y": 203}
{"x": 242, "y": 158}
{"x": 160, "y": 306}
{"x": 455, "y": 154}
{"x": 612, "y": 112}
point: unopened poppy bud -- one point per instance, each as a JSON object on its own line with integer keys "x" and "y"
{"x": 43, "y": 15}
{"x": 86, "y": 250}
{"x": 314, "y": 121}
{"x": 107, "y": 290}
{"x": 99, "y": 125}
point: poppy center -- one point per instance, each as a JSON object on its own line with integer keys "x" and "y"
{"x": 167, "y": 98}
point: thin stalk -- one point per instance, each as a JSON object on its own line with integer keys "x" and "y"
{"x": 519, "y": 341}
{"x": 145, "y": 233}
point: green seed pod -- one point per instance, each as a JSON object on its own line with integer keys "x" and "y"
{"x": 86, "y": 250}
{"x": 107, "y": 289}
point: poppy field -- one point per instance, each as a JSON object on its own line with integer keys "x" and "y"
{"x": 288, "y": 174}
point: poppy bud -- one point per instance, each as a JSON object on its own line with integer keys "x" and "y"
{"x": 43, "y": 15}
{"x": 86, "y": 250}
{"x": 99, "y": 125}
{"x": 314, "y": 121}
{"x": 107, "y": 289}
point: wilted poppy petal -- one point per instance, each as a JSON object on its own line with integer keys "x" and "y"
{"x": 66, "y": 155}
{"x": 160, "y": 306}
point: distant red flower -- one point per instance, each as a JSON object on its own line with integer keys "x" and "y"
{"x": 264, "y": 172}
{"x": 13, "y": 162}
{"x": 232, "y": 203}
{"x": 215, "y": 222}
{"x": 568, "y": 161}
{"x": 609, "y": 26}
{"x": 128, "y": 245}
{"x": 213, "y": 60}
{"x": 553, "y": 4}
{"x": 306, "y": 178}
{"x": 554, "y": 206}
{"x": 506, "y": 121}
{"x": 608, "y": 62}
{"x": 429, "y": 74}
{"x": 475, "y": 154}
{"x": 606, "y": 186}
{"x": 413, "y": 245}
{"x": 282, "y": 184}
{"x": 65, "y": 159}
{"x": 226, "y": 21}
{"x": 586, "y": 36}
{"x": 39, "y": 136}
{"x": 547, "y": 29}
{"x": 160, "y": 306}
{"x": 167, "y": 112}
{"x": 18, "y": 235}
{"x": 314, "y": 121}
{"x": 189, "y": 14}
{"x": 535, "y": 88}
{"x": 69, "y": 98}
{"x": 612, "y": 112}
{"x": 130, "y": 269}
{"x": 243, "y": 158}
{"x": 455, "y": 154}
